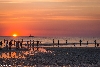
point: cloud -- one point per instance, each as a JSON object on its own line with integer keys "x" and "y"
{"x": 3, "y": 17}
{"x": 30, "y": 1}
{"x": 5, "y": 1}
{"x": 72, "y": 18}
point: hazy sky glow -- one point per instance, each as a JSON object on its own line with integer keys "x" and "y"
{"x": 50, "y": 17}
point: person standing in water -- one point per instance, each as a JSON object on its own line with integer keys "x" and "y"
{"x": 10, "y": 44}
{"x": 21, "y": 44}
{"x": 1, "y": 45}
{"x": 7, "y": 45}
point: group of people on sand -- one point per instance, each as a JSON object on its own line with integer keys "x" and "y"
{"x": 9, "y": 45}
{"x": 17, "y": 44}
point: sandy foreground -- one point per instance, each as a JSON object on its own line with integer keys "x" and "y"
{"x": 51, "y": 57}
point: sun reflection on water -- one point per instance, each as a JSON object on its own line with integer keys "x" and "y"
{"x": 21, "y": 54}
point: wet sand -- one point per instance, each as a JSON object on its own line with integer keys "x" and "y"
{"x": 52, "y": 57}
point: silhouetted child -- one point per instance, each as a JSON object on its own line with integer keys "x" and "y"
{"x": 97, "y": 45}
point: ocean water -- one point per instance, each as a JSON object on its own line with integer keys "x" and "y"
{"x": 49, "y": 40}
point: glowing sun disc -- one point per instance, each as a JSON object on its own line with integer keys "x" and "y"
{"x": 14, "y": 35}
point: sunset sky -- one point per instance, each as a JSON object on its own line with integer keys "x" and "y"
{"x": 50, "y": 17}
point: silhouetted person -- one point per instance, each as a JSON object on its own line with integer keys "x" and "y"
{"x": 17, "y": 44}
{"x": 28, "y": 44}
{"x": 21, "y": 44}
{"x": 14, "y": 42}
{"x": 74, "y": 44}
{"x": 53, "y": 42}
{"x": 66, "y": 41}
{"x": 1, "y": 44}
{"x": 95, "y": 43}
{"x": 58, "y": 43}
{"x": 10, "y": 44}
{"x": 80, "y": 42}
{"x": 37, "y": 44}
{"x": 7, "y": 44}
{"x": 33, "y": 45}
{"x": 87, "y": 43}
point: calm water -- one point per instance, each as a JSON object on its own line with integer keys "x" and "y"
{"x": 48, "y": 40}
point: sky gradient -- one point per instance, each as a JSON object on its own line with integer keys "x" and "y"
{"x": 50, "y": 17}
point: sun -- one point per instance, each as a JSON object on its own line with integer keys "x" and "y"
{"x": 14, "y": 35}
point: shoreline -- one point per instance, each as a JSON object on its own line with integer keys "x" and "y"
{"x": 45, "y": 47}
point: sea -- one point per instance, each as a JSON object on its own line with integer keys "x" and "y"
{"x": 49, "y": 40}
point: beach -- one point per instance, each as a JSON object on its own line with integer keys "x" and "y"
{"x": 54, "y": 57}
{"x": 50, "y": 52}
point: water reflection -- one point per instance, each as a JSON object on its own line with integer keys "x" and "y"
{"x": 21, "y": 54}
{"x": 20, "y": 58}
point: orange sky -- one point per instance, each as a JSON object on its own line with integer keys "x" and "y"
{"x": 50, "y": 17}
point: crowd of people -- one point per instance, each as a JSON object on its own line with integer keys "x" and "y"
{"x": 17, "y": 44}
